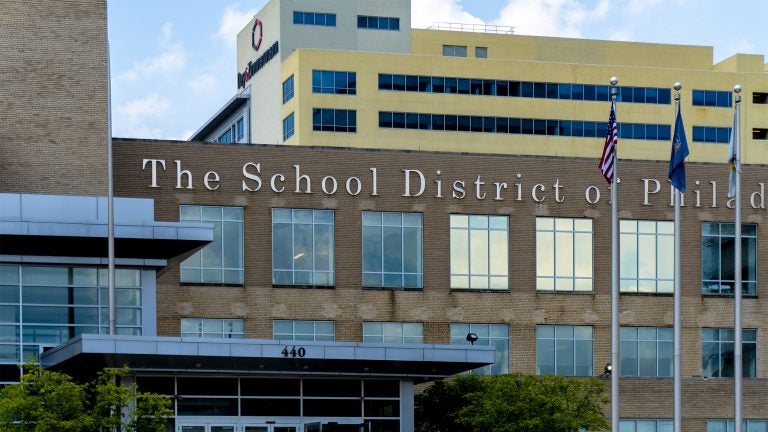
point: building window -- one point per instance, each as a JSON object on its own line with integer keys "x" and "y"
{"x": 564, "y": 350}
{"x": 288, "y": 89}
{"x": 393, "y": 332}
{"x": 759, "y": 134}
{"x": 392, "y": 249}
{"x": 712, "y": 98}
{"x": 221, "y": 261}
{"x": 378, "y": 23}
{"x": 334, "y": 120}
{"x": 212, "y": 328}
{"x": 479, "y": 252}
{"x": 759, "y": 98}
{"x": 711, "y": 134}
{"x": 646, "y": 254}
{"x": 226, "y": 137}
{"x": 48, "y": 305}
{"x": 454, "y": 51}
{"x": 288, "y": 127}
{"x": 514, "y": 125}
{"x": 302, "y": 247}
{"x": 717, "y": 352}
{"x": 234, "y": 133}
{"x": 240, "y": 129}
{"x": 334, "y": 82}
{"x": 481, "y": 52}
{"x": 563, "y": 254}
{"x": 646, "y": 351}
{"x": 299, "y": 330}
{"x": 717, "y": 255}
{"x": 314, "y": 18}
{"x": 495, "y": 335}
{"x": 646, "y": 425}
{"x": 720, "y": 425}
{"x": 526, "y": 89}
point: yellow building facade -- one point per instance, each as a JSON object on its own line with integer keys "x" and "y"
{"x": 535, "y": 60}
{"x": 542, "y": 85}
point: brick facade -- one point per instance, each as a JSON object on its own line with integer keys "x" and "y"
{"x": 53, "y": 109}
{"x": 522, "y": 307}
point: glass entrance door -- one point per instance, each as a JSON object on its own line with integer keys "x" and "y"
{"x": 207, "y": 428}
{"x": 271, "y": 428}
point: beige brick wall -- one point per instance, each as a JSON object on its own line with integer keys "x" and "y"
{"x": 53, "y": 108}
{"x": 348, "y": 304}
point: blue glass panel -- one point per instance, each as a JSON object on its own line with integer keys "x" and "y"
{"x": 698, "y": 97}
{"x": 665, "y": 96}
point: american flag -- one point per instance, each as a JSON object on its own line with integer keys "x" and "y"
{"x": 609, "y": 150}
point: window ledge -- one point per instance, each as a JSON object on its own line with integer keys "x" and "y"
{"x": 729, "y": 296}
{"x": 646, "y": 378}
{"x": 481, "y": 290}
{"x": 210, "y": 284}
{"x": 388, "y": 288}
{"x": 641, "y": 294}
{"x": 304, "y": 286}
{"x": 547, "y": 292}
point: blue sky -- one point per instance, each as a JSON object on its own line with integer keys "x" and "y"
{"x": 173, "y": 61}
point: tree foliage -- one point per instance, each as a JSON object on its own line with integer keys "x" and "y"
{"x": 437, "y": 408}
{"x": 512, "y": 403}
{"x": 47, "y": 401}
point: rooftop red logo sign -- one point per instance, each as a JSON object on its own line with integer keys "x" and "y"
{"x": 257, "y": 33}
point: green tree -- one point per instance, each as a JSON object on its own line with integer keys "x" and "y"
{"x": 47, "y": 401}
{"x": 437, "y": 408}
{"x": 512, "y": 403}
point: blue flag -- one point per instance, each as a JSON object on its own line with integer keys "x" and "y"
{"x": 679, "y": 153}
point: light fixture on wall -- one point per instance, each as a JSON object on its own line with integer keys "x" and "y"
{"x": 607, "y": 370}
{"x": 472, "y": 338}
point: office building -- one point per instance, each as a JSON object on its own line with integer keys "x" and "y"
{"x": 355, "y": 74}
{"x": 310, "y": 285}
{"x": 54, "y": 279}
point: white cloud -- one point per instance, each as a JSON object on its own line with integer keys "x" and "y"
{"x": 741, "y": 45}
{"x": 173, "y": 58}
{"x": 424, "y": 13}
{"x": 135, "y": 115}
{"x": 233, "y": 20}
{"x": 623, "y": 34}
{"x": 204, "y": 81}
{"x": 166, "y": 31}
{"x": 151, "y": 105}
{"x": 167, "y": 62}
{"x": 183, "y": 135}
{"x": 139, "y": 131}
{"x": 552, "y": 17}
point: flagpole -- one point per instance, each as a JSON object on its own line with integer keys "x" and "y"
{"x": 677, "y": 373}
{"x": 737, "y": 336}
{"x": 615, "y": 361}
{"x": 110, "y": 200}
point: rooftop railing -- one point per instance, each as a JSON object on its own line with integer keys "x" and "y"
{"x": 475, "y": 28}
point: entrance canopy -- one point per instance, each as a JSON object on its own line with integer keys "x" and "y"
{"x": 89, "y": 353}
{"x": 76, "y": 226}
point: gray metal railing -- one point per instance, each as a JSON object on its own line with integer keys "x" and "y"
{"x": 474, "y": 28}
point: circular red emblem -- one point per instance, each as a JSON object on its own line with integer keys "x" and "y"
{"x": 256, "y": 34}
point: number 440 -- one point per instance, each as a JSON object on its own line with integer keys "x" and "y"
{"x": 293, "y": 352}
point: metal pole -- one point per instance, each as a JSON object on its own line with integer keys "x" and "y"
{"x": 110, "y": 201}
{"x": 677, "y": 374}
{"x": 615, "y": 361}
{"x": 737, "y": 336}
